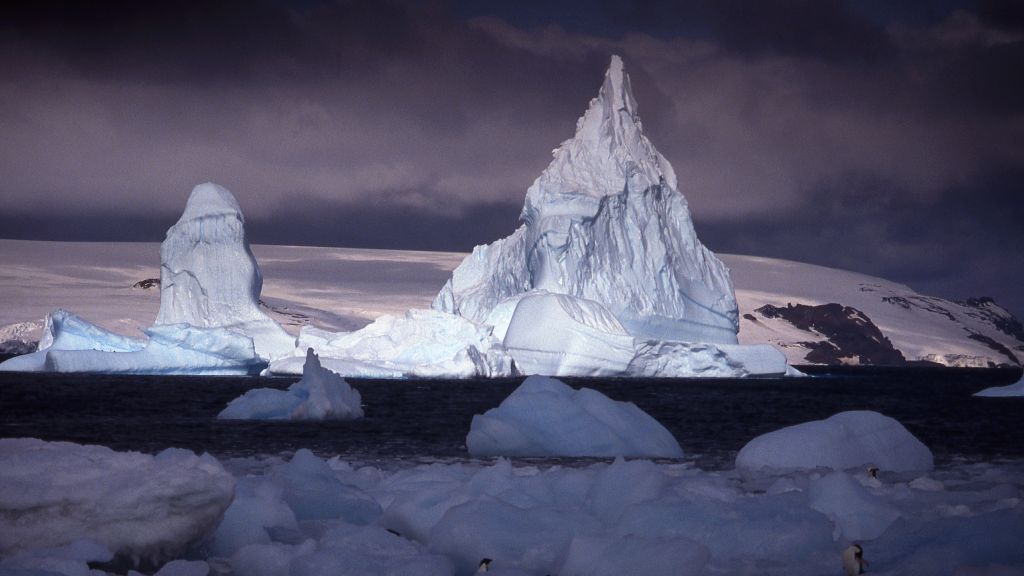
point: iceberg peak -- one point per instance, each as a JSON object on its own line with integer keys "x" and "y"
{"x": 606, "y": 222}
{"x": 608, "y": 154}
{"x": 209, "y": 277}
{"x": 210, "y": 199}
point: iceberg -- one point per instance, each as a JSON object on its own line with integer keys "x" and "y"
{"x": 209, "y": 320}
{"x": 606, "y": 222}
{"x": 545, "y": 417}
{"x": 171, "y": 349}
{"x": 209, "y": 277}
{"x": 319, "y": 395}
{"x": 421, "y": 343}
{"x": 139, "y": 507}
{"x": 66, "y": 331}
{"x": 855, "y": 439}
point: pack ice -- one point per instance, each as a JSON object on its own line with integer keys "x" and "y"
{"x": 854, "y": 439}
{"x": 137, "y": 506}
{"x": 545, "y": 417}
{"x": 209, "y": 320}
{"x": 606, "y": 264}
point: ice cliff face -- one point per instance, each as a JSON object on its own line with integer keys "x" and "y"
{"x": 606, "y": 222}
{"x": 209, "y": 277}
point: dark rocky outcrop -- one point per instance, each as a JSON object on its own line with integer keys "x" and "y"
{"x": 850, "y": 335}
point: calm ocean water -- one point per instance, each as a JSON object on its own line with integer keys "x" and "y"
{"x": 427, "y": 420}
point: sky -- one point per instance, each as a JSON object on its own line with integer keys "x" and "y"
{"x": 885, "y": 138}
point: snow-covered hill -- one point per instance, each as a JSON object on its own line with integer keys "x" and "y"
{"x": 347, "y": 288}
{"x": 977, "y": 332}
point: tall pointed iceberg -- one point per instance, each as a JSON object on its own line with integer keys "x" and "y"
{"x": 209, "y": 277}
{"x": 605, "y": 222}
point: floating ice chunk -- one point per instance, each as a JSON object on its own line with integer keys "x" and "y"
{"x": 532, "y": 539}
{"x": 270, "y": 558}
{"x": 209, "y": 277}
{"x": 138, "y": 506}
{"x": 840, "y": 442}
{"x": 606, "y": 222}
{"x": 544, "y": 417}
{"x": 258, "y": 507}
{"x": 623, "y": 484}
{"x": 357, "y": 550}
{"x": 856, "y": 513}
{"x": 1016, "y": 389}
{"x": 319, "y": 395}
{"x": 422, "y": 343}
{"x": 606, "y": 556}
{"x": 171, "y": 349}
{"x": 314, "y": 492}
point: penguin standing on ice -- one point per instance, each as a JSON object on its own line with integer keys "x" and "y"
{"x": 853, "y": 560}
{"x": 485, "y": 565}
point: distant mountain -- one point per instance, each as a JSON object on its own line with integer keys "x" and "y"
{"x": 821, "y": 315}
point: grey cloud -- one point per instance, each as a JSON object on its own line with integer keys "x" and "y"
{"x": 810, "y": 130}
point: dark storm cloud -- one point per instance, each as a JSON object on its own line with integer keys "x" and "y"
{"x": 886, "y": 139}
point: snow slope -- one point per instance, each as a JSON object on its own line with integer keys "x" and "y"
{"x": 921, "y": 327}
{"x": 347, "y": 288}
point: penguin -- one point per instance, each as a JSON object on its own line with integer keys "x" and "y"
{"x": 485, "y": 565}
{"x": 853, "y": 560}
{"x": 873, "y": 472}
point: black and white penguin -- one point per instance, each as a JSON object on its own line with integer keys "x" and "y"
{"x": 853, "y": 560}
{"x": 485, "y": 565}
{"x": 873, "y": 472}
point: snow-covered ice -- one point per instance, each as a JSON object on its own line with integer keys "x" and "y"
{"x": 420, "y": 343}
{"x": 545, "y": 417}
{"x": 1015, "y": 389}
{"x": 209, "y": 277}
{"x": 310, "y": 516}
{"x": 606, "y": 222}
{"x": 138, "y": 506}
{"x": 319, "y": 395}
{"x": 854, "y": 439}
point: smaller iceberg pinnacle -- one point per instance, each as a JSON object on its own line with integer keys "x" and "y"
{"x": 209, "y": 277}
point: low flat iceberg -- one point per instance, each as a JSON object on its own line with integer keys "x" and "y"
{"x": 319, "y": 395}
{"x": 545, "y": 417}
{"x": 171, "y": 349}
{"x": 421, "y": 343}
{"x": 140, "y": 507}
{"x": 854, "y": 439}
{"x": 66, "y": 331}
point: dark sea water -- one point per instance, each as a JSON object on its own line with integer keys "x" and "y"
{"x": 427, "y": 420}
